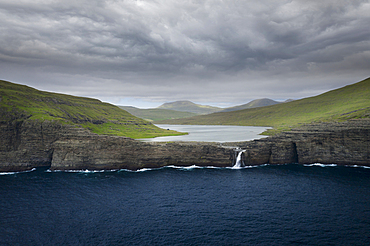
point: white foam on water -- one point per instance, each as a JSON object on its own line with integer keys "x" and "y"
{"x": 366, "y": 167}
{"x": 144, "y": 169}
{"x": 80, "y": 171}
{"x": 10, "y": 173}
{"x": 320, "y": 165}
{"x": 212, "y": 167}
{"x": 192, "y": 167}
{"x": 237, "y": 167}
{"x": 185, "y": 167}
{"x": 245, "y": 167}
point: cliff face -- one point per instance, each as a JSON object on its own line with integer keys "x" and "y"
{"x": 27, "y": 144}
{"x": 346, "y": 143}
{"x": 102, "y": 152}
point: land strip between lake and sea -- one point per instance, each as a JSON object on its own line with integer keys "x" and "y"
{"x": 62, "y": 132}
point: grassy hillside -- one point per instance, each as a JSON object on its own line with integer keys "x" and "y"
{"x": 253, "y": 104}
{"x": 156, "y": 114}
{"x": 349, "y": 102}
{"x": 19, "y": 102}
{"x": 187, "y": 106}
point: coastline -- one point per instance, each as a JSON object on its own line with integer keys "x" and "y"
{"x": 30, "y": 144}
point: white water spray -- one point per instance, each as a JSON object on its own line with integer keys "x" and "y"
{"x": 239, "y": 162}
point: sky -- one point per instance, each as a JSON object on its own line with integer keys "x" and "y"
{"x": 217, "y": 52}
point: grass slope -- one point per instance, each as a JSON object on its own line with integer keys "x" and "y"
{"x": 20, "y": 102}
{"x": 253, "y": 104}
{"x": 349, "y": 102}
{"x": 156, "y": 114}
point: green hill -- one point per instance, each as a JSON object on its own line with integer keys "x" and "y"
{"x": 349, "y": 102}
{"x": 20, "y": 102}
{"x": 187, "y": 106}
{"x": 253, "y": 104}
{"x": 156, "y": 114}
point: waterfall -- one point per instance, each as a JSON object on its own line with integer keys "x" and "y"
{"x": 239, "y": 162}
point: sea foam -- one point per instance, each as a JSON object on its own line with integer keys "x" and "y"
{"x": 320, "y": 165}
{"x": 10, "y": 173}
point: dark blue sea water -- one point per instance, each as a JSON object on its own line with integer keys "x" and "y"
{"x": 267, "y": 205}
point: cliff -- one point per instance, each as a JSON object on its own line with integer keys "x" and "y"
{"x": 25, "y": 144}
{"x": 345, "y": 143}
{"x": 28, "y": 144}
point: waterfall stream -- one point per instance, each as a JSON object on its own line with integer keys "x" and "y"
{"x": 239, "y": 161}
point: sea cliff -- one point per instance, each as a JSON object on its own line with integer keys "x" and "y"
{"x": 25, "y": 144}
{"x": 344, "y": 143}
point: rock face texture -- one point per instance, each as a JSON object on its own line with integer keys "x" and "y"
{"x": 346, "y": 143}
{"x": 104, "y": 152}
{"x": 28, "y": 144}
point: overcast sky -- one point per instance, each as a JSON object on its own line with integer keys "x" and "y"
{"x": 222, "y": 53}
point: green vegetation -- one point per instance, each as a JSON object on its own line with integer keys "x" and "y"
{"x": 186, "y": 109}
{"x": 253, "y": 104}
{"x": 156, "y": 114}
{"x": 19, "y": 102}
{"x": 349, "y": 102}
{"x": 187, "y": 106}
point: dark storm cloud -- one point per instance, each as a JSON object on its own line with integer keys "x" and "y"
{"x": 168, "y": 50}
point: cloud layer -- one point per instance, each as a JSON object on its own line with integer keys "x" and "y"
{"x": 206, "y": 51}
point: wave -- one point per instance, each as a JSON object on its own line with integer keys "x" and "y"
{"x": 366, "y": 167}
{"x": 247, "y": 167}
{"x": 141, "y": 170}
{"x": 320, "y": 165}
{"x": 11, "y": 173}
{"x": 81, "y": 171}
{"x": 185, "y": 168}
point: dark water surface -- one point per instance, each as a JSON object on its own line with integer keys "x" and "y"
{"x": 268, "y": 205}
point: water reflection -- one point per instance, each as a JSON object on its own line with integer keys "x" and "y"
{"x": 208, "y": 133}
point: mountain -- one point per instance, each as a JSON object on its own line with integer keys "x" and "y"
{"x": 349, "y": 102}
{"x": 156, "y": 114}
{"x": 187, "y": 106}
{"x": 253, "y": 104}
{"x": 19, "y": 103}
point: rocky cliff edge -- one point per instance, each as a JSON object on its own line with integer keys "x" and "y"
{"x": 26, "y": 144}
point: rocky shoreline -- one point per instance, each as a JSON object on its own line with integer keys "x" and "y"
{"x": 28, "y": 144}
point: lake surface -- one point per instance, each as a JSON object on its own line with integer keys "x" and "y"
{"x": 265, "y": 205}
{"x": 206, "y": 133}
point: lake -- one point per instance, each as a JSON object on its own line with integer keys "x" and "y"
{"x": 206, "y": 133}
{"x": 265, "y": 205}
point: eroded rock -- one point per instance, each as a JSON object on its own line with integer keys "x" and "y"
{"x": 27, "y": 144}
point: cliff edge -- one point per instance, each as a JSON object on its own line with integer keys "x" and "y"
{"x": 65, "y": 132}
{"x": 28, "y": 144}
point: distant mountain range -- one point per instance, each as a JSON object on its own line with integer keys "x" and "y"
{"x": 187, "y": 106}
{"x": 185, "y": 109}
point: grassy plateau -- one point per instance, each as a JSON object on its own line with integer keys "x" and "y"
{"x": 20, "y": 102}
{"x": 349, "y": 102}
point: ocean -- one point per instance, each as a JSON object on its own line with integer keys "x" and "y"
{"x": 265, "y": 205}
